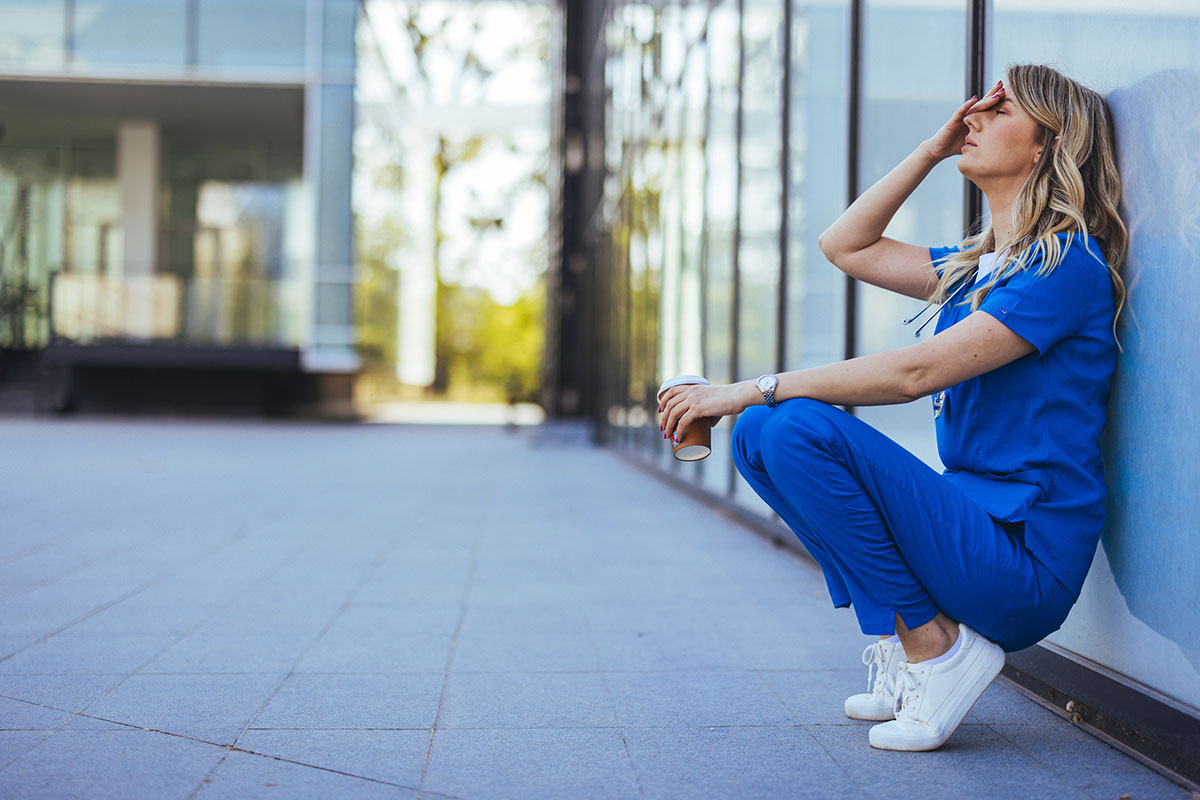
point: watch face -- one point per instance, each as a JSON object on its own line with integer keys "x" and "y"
{"x": 767, "y": 382}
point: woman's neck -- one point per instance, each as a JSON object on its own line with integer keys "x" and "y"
{"x": 1001, "y": 205}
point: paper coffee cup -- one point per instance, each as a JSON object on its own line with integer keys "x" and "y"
{"x": 697, "y": 439}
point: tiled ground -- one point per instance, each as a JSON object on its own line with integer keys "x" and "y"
{"x": 281, "y": 610}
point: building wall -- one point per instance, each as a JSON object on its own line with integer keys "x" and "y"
{"x": 185, "y": 162}
{"x": 728, "y": 148}
{"x": 1140, "y": 610}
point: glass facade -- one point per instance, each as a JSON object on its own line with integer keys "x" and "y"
{"x": 172, "y": 195}
{"x": 731, "y": 145}
{"x": 162, "y": 37}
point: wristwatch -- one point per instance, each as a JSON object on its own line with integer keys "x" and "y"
{"x": 766, "y": 384}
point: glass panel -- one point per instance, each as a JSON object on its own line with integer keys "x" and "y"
{"x": 761, "y": 187}
{"x": 693, "y": 91}
{"x": 720, "y": 214}
{"x": 31, "y": 36}
{"x": 131, "y": 32}
{"x": 761, "y": 199}
{"x": 819, "y": 136}
{"x": 93, "y": 215}
{"x": 251, "y": 33}
{"x": 232, "y": 213}
{"x": 31, "y": 209}
{"x": 338, "y": 32}
{"x": 1144, "y": 57}
{"x": 909, "y": 92}
{"x": 644, "y": 153}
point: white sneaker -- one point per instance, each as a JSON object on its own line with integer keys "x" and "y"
{"x": 882, "y": 658}
{"x": 933, "y": 698}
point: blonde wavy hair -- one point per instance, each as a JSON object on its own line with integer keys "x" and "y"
{"x": 1074, "y": 188}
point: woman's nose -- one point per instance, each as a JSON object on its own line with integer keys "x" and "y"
{"x": 972, "y": 121}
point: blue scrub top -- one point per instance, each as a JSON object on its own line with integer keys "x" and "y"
{"x": 1023, "y": 440}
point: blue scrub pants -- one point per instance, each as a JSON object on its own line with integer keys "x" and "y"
{"x": 891, "y": 534}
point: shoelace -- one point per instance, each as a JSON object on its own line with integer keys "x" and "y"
{"x": 877, "y": 677}
{"x": 908, "y": 696}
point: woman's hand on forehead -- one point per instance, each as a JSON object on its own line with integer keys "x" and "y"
{"x": 951, "y": 137}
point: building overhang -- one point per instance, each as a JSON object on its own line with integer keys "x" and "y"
{"x": 31, "y": 108}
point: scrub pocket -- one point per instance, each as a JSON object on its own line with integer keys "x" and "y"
{"x": 1028, "y": 626}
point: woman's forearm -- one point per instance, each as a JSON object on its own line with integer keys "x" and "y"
{"x": 878, "y": 379}
{"x": 863, "y": 223}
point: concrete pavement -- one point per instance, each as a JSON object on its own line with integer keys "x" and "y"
{"x": 248, "y": 609}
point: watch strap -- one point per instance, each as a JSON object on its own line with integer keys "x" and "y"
{"x": 768, "y": 393}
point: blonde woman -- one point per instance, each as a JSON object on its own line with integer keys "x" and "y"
{"x": 951, "y": 570}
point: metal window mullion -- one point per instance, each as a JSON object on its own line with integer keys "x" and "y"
{"x": 735, "y": 317}
{"x": 854, "y": 134}
{"x": 974, "y": 68}
{"x": 785, "y": 192}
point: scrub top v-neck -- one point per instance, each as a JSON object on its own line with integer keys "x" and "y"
{"x": 1023, "y": 440}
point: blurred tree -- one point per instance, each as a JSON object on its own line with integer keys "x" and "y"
{"x": 375, "y": 296}
{"x": 456, "y": 63}
{"x": 495, "y": 348}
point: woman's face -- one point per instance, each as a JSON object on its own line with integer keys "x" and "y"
{"x": 1001, "y": 146}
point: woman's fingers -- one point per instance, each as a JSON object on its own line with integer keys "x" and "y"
{"x": 672, "y": 410}
{"x": 990, "y": 99}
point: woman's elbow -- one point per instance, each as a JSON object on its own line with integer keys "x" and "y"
{"x": 828, "y": 244}
{"x": 823, "y": 242}
{"x": 914, "y": 381}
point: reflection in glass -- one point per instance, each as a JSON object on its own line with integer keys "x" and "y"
{"x": 720, "y": 218}
{"x": 761, "y": 188}
{"x": 130, "y": 32}
{"x": 908, "y": 94}
{"x": 31, "y": 36}
{"x": 817, "y": 159}
{"x": 761, "y": 210}
{"x": 244, "y": 34}
{"x": 31, "y": 248}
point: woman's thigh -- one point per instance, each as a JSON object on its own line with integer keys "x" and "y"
{"x": 853, "y": 483}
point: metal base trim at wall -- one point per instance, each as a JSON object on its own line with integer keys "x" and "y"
{"x": 1147, "y": 725}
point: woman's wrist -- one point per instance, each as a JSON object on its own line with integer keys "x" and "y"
{"x": 749, "y": 393}
{"x": 929, "y": 150}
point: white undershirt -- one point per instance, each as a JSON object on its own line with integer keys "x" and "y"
{"x": 986, "y": 262}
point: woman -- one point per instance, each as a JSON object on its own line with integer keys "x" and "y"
{"x": 952, "y": 570}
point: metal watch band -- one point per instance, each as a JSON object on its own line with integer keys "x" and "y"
{"x": 769, "y": 393}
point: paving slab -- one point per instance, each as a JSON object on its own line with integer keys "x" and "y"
{"x": 100, "y": 764}
{"x": 213, "y": 707}
{"x": 276, "y": 609}
{"x": 244, "y": 776}
{"x": 744, "y": 762}
{"x": 392, "y": 756}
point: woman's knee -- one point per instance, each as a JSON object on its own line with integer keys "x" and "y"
{"x": 747, "y": 433}
{"x": 800, "y": 423}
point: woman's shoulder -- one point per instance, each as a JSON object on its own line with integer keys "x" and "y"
{"x": 1079, "y": 272}
{"x": 1084, "y": 249}
{"x": 1080, "y": 257}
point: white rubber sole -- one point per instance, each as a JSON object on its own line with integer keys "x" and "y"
{"x": 870, "y": 707}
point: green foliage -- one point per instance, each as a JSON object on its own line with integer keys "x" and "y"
{"x": 376, "y": 294}
{"x": 493, "y": 346}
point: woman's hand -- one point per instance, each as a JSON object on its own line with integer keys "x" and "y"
{"x": 683, "y": 405}
{"x": 949, "y": 140}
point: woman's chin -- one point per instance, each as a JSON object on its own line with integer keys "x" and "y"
{"x": 967, "y": 168}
